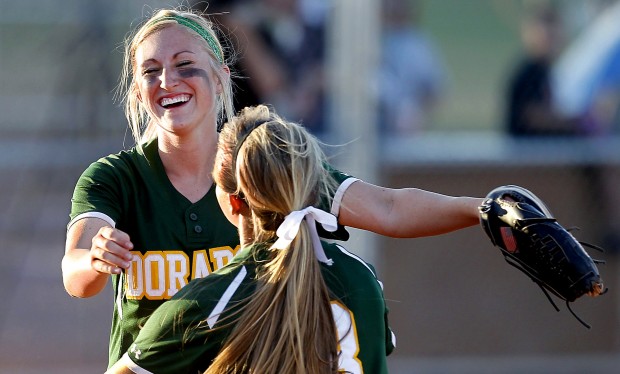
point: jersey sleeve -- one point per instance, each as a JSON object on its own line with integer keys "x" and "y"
{"x": 175, "y": 339}
{"x": 186, "y": 333}
{"x": 98, "y": 190}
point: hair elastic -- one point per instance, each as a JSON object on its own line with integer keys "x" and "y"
{"x": 244, "y": 137}
{"x": 195, "y": 26}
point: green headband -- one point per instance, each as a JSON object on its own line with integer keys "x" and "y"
{"x": 187, "y": 22}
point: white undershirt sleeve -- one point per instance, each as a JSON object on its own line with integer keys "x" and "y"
{"x": 339, "y": 195}
{"x": 99, "y": 215}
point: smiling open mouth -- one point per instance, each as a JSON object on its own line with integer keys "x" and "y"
{"x": 172, "y": 102}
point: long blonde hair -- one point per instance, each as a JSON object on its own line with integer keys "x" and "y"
{"x": 287, "y": 325}
{"x": 141, "y": 125}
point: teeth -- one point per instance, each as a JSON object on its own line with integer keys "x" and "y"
{"x": 173, "y": 100}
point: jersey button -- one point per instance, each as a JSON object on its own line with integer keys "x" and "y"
{"x": 193, "y": 217}
{"x": 198, "y": 229}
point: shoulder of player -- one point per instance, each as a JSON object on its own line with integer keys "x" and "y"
{"x": 341, "y": 255}
{"x": 131, "y": 155}
{"x": 216, "y": 283}
{"x": 338, "y": 175}
{"x": 123, "y": 162}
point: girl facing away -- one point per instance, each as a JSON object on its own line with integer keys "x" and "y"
{"x": 288, "y": 302}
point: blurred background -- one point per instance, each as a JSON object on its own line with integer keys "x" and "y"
{"x": 456, "y": 97}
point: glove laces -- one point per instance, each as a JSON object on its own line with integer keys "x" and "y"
{"x": 289, "y": 229}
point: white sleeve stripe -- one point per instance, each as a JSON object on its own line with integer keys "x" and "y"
{"x": 339, "y": 194}
{"x": 228, "y": 294}
{"x": 128, "y": 362}
{"x": 99, "y": 215}
{"x": 343, "y": 250}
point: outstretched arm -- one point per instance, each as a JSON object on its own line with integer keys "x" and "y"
{"x": 407, "y": 212}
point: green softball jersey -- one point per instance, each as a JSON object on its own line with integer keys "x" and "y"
{"x": 183, "y": 335}
{"x": 174, "y": 239}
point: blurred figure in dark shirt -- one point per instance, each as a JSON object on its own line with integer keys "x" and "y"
{"x": 280, "y": 51}
{"x": 530, "y": 109}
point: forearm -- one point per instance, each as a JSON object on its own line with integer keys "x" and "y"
{"x": 79, "y": 278}
{"x": 439, "y": 214}
{"x": 407, "y": 212}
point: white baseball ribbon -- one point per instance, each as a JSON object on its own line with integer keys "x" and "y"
{"x": 290, "y": 227}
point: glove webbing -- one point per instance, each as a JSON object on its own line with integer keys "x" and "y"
{"x": 515, "y": 262}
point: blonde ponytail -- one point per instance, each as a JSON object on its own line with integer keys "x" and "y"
{"x": 287, "y": 325}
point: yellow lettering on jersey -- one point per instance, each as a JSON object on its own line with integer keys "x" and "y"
{"x": 348, "y": 343}
{"x": 201, "y": 266}
{"x": 135, "y": 277}
{"x": 221, "y": 256}
{"x": 159, "y": 275}
{"x": 178, "y": 272}
{"x": 155, "y": 275}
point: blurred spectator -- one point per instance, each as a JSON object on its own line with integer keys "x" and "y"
{"x": 533, "y": 110}
{"x": 280, "y": 46}
{"x": 530, "y": 106}
{"x": 411, "y": 71}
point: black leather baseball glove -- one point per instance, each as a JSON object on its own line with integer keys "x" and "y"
{"x": 531, "y": 239}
